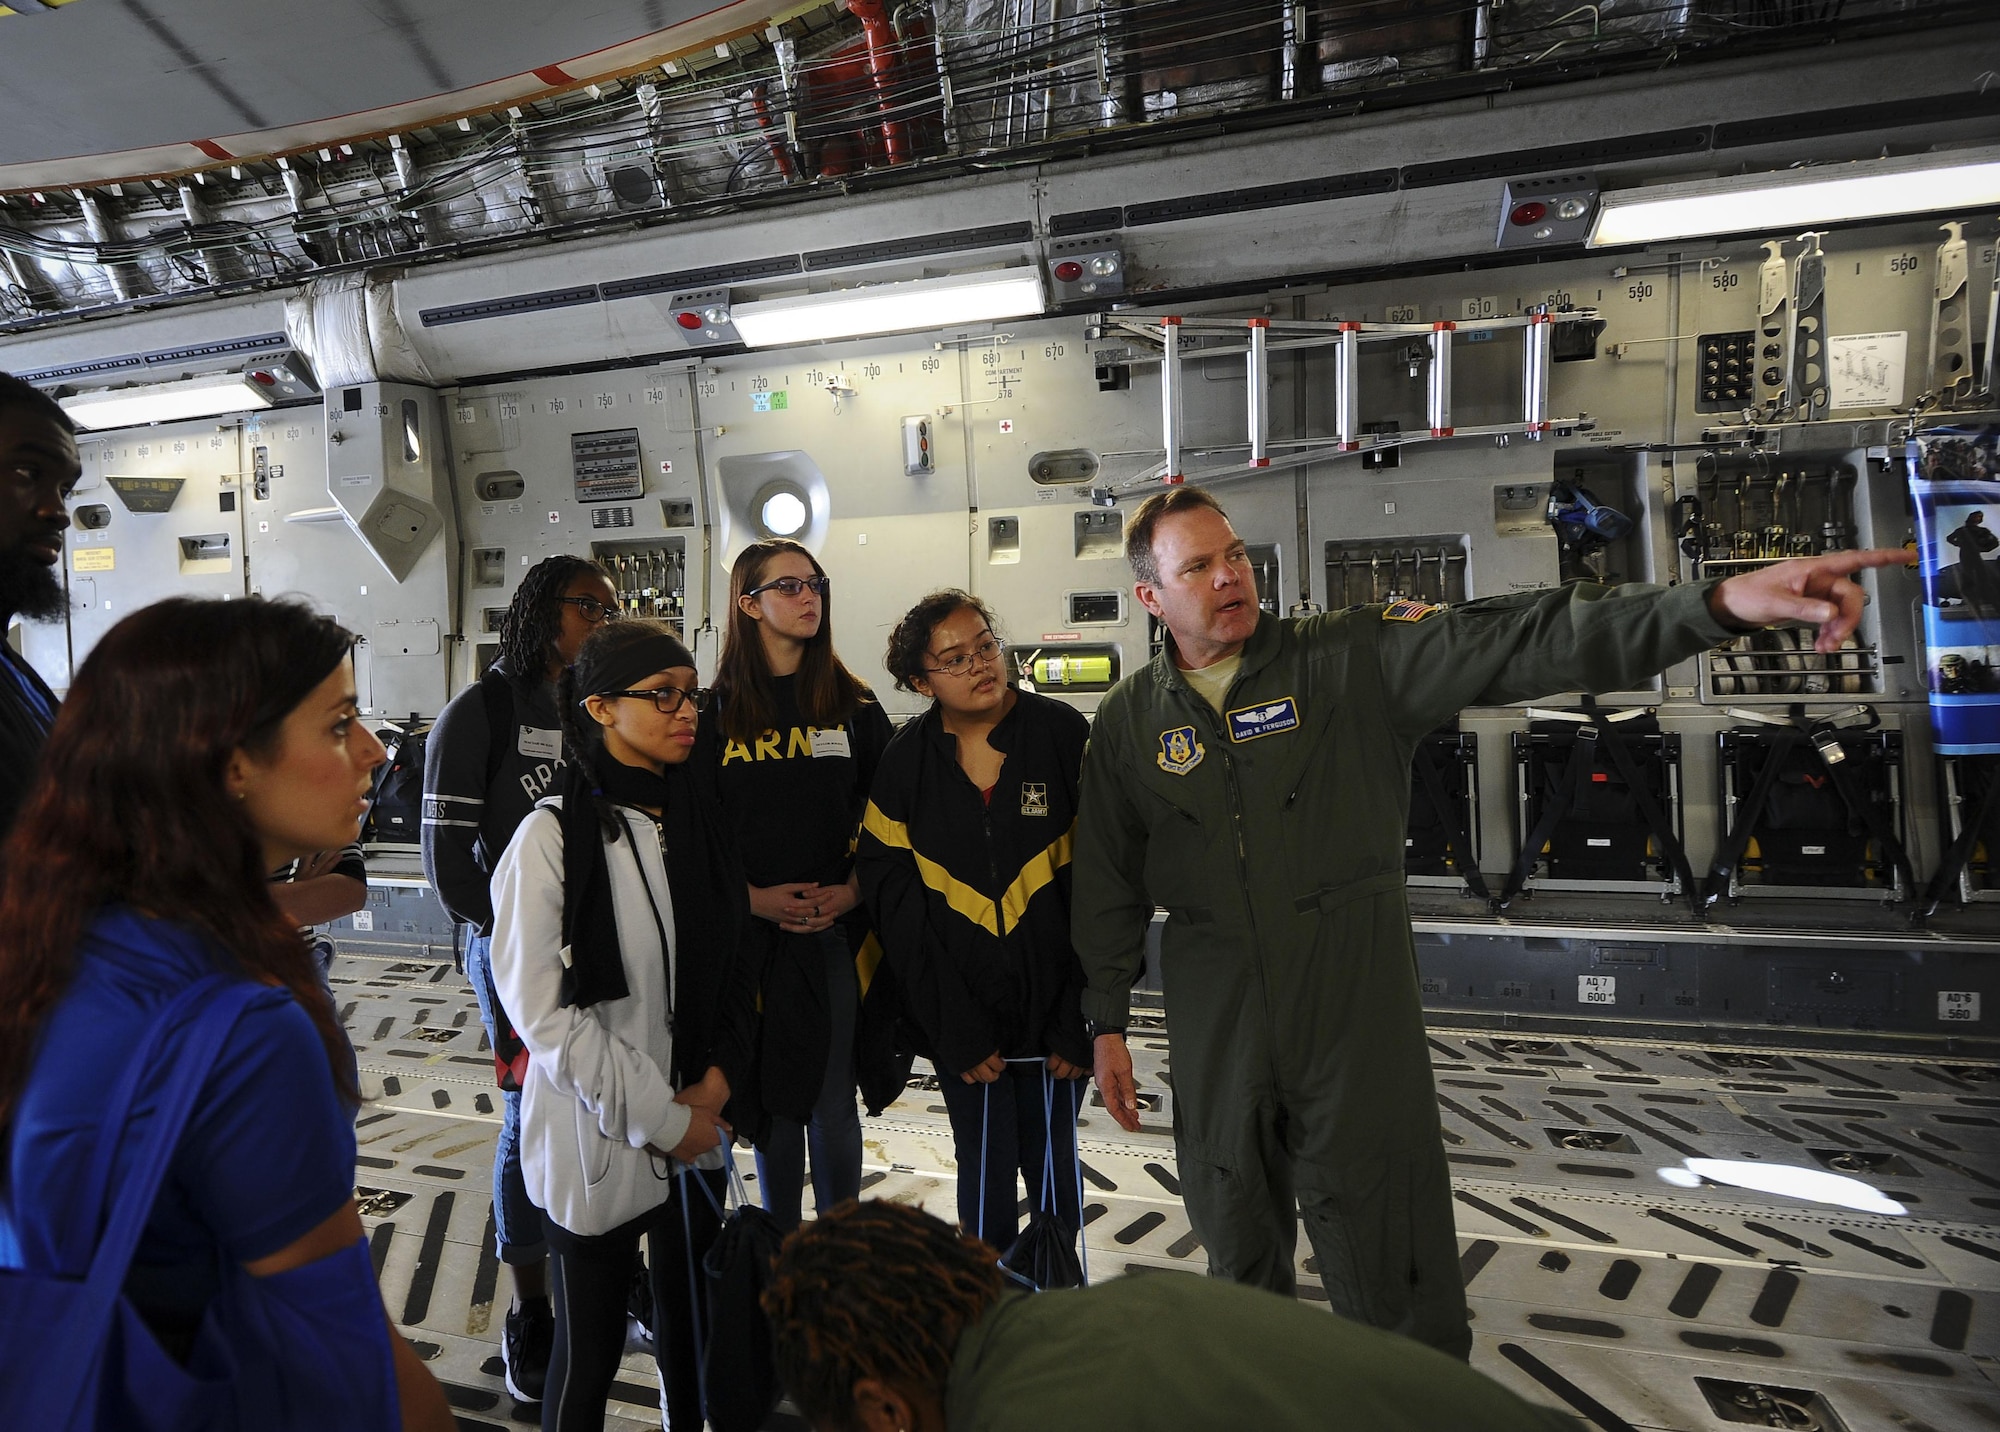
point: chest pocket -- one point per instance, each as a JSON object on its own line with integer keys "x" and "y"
{"x": 1301, "y": 745}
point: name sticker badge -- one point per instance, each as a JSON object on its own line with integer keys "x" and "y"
{"x": 539, "y": 744}
{"x": 1266, "y": 719}
{"x": 1034, "y": 799}
{"x": 1179, "y": 751}
{"x": 830, "y": 743}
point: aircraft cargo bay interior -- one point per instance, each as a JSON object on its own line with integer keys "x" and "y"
{"x": 1468, "y": 525}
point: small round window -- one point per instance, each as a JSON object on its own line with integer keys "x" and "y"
{"x": 782, "y": 512}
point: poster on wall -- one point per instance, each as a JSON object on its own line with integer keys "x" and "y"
{"x": 1955, "y": 487}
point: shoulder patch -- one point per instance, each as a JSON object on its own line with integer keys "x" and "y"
{"x": 1180, "y": 752}
{"x": 1409, "y": 611}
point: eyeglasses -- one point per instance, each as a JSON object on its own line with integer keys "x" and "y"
{"x": 667, "y": 699}
{"x": 593, "y": 610}
{"x": 980, "y": 655}
{"x": 792, "y": 586}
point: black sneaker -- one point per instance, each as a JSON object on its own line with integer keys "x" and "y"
{"x": 525, "y": 1343}
{"x": 639, "y": 1303}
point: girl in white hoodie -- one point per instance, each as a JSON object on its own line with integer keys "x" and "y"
{"x": 618, "y": 912}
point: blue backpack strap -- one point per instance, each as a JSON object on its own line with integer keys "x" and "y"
{"x": 226, "y": 999}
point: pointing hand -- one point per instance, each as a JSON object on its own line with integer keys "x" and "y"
{"x": 1818, "y": 590}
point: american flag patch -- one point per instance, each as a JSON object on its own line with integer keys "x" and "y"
{"x": 1409, "y": 611}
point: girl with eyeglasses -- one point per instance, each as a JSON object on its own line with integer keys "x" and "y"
{"x": 965, "y": 860}
{"x": 793, "y": 747}
{"x": 618, "y": 919}
{"x": 496, "y": 749}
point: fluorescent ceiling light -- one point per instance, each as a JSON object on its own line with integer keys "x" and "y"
{"x": 1800, "y": 199}
{"x": 1789, "y": 1180}
{"x": 204, "y": 397}
{"x": 891, "y": 307}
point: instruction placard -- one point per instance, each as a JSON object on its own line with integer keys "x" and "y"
{"x": 1865, "y": 370}
{"x": 92, "y": 559}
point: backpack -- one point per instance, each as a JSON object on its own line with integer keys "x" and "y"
{"x": 396, "y": 811}
{"x": 396, "y": 807}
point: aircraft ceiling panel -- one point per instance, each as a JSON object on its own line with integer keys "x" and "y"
{"x": 97, "y": 78}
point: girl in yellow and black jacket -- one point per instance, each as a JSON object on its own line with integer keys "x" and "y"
{"x": 964, "y": 861}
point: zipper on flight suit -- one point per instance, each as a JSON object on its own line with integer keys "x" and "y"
{"x": 1234, "y": 795}
{"x": 1220, "y": 735}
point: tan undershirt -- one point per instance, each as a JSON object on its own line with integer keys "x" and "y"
{"x": 1213, "y": 682}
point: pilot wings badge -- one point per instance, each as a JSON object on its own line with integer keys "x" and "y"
{"x": 1179, "y": 751}
{"x": 1249, "y": 722}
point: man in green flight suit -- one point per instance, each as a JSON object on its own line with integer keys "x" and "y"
{"x": 1254, "y": 780}
{"x": 884, "y": 1319}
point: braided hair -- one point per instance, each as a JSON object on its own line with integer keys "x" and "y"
{"x": 873, "y": 1290}
{"x": 528, "y": 631}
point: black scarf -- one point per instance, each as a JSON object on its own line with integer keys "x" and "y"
{"x": 700, "y": 874}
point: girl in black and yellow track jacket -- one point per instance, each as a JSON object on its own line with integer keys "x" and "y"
{"x": 964, "y": 861}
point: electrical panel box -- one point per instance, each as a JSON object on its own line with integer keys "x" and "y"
{"x": 1102, "y": 608}
{"x": 605, "y": 467}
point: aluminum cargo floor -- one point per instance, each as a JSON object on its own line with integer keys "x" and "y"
{"x": 1595, "y": 1285}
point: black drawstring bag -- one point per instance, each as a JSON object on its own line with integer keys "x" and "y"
{"x": 739, "y": 1378}
{"x": 1045, "y": 1255}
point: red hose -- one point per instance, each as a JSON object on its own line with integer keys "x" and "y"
{"x": 882, "y": 45}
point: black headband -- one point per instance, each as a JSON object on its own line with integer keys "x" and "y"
{"x": 617, "y": 670}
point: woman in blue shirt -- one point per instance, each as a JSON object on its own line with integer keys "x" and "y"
{"x": 204, "y": 744}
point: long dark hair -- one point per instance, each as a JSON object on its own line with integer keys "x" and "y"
{"x": 528, "y": 630}
{"x": 828, "y": 692}
{"x": 129, "y": 806}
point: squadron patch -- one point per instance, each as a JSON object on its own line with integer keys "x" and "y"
{"x": 1265, "y": 719}
{"x": 1034, "y": 799}
{"x": 1407, "y": 611}
{"x": 1179, "y": 751}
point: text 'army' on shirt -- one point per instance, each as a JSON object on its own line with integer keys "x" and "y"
{"x": 806, "y": 741}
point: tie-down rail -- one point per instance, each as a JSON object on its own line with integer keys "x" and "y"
{"x": 1178, "y": 338}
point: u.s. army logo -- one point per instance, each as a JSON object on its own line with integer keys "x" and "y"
{"x": 1179, "y": 751}
{"x": 1034, "y": 799}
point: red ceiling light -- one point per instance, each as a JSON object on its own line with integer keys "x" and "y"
{"x": 1069, "y": 271}
{"x": 688, "y": 319}
{"x": 1532, "y": 212}
{"x": 260, "y": 376}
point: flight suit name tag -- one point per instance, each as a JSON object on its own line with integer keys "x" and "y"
{"x": 1179, "y": 751}
{"x": 830, "y": 743}
{"x": 1264, "y": 719}
{"x": 538, "y": 744}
